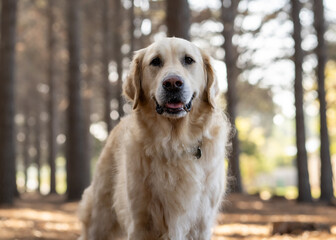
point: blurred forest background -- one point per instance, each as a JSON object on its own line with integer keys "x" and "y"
{"x": 62, "y": 64}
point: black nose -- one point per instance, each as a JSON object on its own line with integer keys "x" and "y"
{"x": 172, "y": 84}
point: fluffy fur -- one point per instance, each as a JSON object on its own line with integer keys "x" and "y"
{"x": 148, "y": 183}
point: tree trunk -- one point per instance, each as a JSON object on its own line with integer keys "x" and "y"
{"x": 178, "y": 18}
{"x": 106, "y": 62}
{"x": 90, "y": 59}
{"x": 7, "y": 127}
{"x": 302, "y": 165}
{"x": 228, "y": 16}
{"x": 26, "y": 157}
{"x": 38, "y": 145}
{"x": 116, "y": 51}
{"x": 132, "y": 27}
{"x": 327, "y": 191}
{"x": 78, "y": 167}
{"x": 52, "y": 97}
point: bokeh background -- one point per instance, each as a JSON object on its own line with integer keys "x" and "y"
{"x": 63, "y": 64}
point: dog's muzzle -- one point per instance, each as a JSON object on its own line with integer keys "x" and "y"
{"x": 174, "y": 108}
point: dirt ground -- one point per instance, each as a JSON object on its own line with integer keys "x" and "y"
{"x": 243, "y": 217}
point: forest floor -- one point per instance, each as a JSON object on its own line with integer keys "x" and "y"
{"x": 243, "y": 217}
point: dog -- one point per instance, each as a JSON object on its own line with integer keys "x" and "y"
{"x": 161, "y": 174}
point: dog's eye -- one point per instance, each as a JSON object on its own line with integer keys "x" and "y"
{"x": 156, "y": 62}
{"x": 188, "y": 60}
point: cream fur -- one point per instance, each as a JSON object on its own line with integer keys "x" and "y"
{"x": 148, "y": 183}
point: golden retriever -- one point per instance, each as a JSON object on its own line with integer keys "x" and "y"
{"x": 161, "y": 173}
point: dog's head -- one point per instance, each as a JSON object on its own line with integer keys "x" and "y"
{"x": 170, "y": 74}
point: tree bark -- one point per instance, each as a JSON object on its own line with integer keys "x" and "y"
{"x": 26, "y": 156}
{"x": 38, "y": 145}
{"x": 178, "y": 18}
{"x": 7, "y": 106}
{"x": 228, "y": 17}
{"x": 90, "y": 59}
{"x": 302, "y": 164}
{"x": 116, "y": 52}
{"x": 52, "y": 97}
{"x": 327, "y": 191}
{"x": 106, "y": 62}
{"x": 78, "y": 167}
{"x": 132, "y": 27}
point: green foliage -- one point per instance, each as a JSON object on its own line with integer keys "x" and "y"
{"x": 262, "y": 153}
{"x": 251, "y": 140}
{"x": 331, "y": 103}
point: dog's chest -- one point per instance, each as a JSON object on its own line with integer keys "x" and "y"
{"x": 177, "y": 178}
{"x": 178, "y": 189}
{"x": 175, "y": 166}
{"x": 179, "y": 173}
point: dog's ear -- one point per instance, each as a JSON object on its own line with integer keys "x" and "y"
{"x": 212, "y": 88}
{"x": 132, "y": 84}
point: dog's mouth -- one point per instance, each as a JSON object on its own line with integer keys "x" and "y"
{"x": 174, "y": 107}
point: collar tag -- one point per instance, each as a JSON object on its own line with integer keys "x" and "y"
{"x": 198, "y": 153}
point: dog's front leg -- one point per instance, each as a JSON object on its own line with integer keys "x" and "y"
{"x": 206, "y": 219}
{"x": 139, "y": 198}
{"x": 141, "y": 235}
{"x": 141, "y": 227}
{"x": 202, "y": 230}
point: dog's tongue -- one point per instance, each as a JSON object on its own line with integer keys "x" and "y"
{"x": 174, "y": 105}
